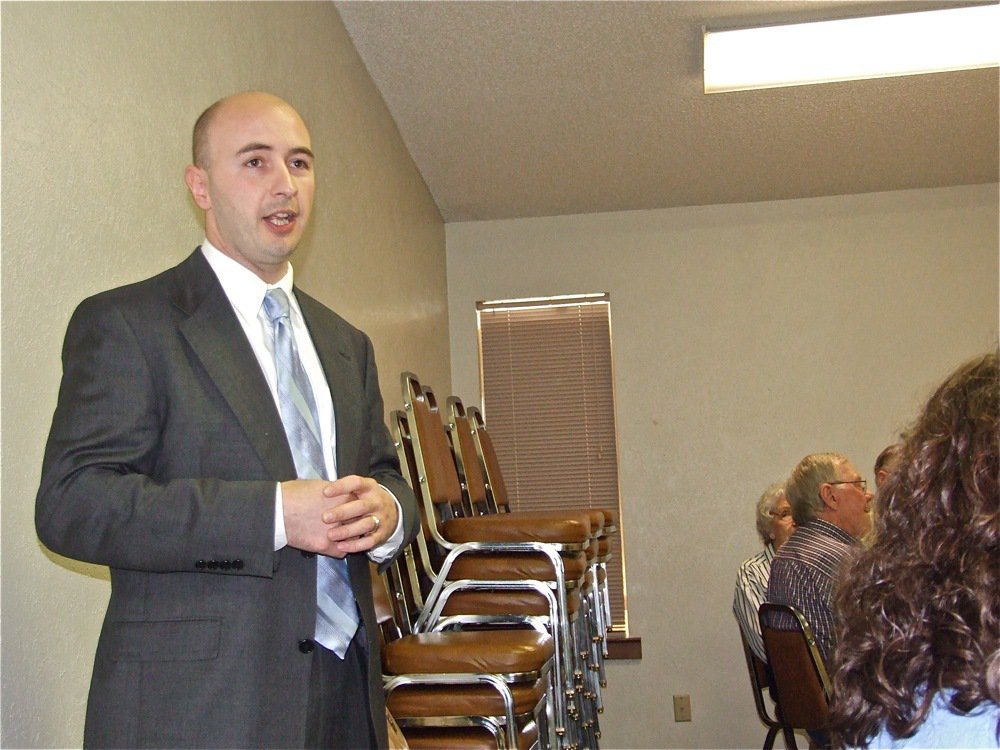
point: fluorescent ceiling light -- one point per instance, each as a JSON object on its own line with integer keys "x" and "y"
{"x": 852, "y": 48}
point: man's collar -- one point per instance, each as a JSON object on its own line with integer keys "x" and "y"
{"x": 243, "y": 287}
{"x": 224, "y": 264}
{"x": 832, "y": 529}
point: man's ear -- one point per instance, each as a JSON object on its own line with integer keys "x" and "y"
{"x": 827, "y": 496}
{"x": 197, "y": 182}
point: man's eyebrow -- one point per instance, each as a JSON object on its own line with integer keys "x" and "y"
{"x": 265, "y": 147}
{"x": 254, "y": 147}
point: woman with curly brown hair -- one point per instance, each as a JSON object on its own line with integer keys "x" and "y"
{"x": 918, "y": 656}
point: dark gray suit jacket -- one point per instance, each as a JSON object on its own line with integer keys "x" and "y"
{"x": 161, "y": 463}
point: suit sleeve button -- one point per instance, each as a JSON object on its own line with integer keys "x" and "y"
{"x": 213, "y": 564}
{"x": 200, "y": 565}
{"x": 306, "y": 646}
{"x": 237, "y": 565}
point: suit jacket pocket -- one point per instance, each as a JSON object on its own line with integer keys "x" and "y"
{"x": 165, "y": 640}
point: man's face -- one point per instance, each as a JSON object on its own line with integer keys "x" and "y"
{"x": 257, "y": 183}
{"x": 852, "y": 501}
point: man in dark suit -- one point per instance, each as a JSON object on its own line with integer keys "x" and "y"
{"x": 168, "y": 461}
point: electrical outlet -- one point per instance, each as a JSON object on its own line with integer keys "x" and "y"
{"x": 682, "y": 708}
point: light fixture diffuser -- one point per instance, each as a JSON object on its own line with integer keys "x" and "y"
{"x": 853, "y": 48}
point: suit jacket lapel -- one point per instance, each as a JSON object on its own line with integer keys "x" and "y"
{"x": 329, "y": 338}
{"x": 336, "y": 358}
{"x": 219, "y": 343}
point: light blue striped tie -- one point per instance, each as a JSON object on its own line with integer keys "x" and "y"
{"x": 336, "y": 611}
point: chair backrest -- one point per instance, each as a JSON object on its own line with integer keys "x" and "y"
{"x": 434, "y": 463}
{"x": 385, "y": 614}
{"x": 467, "y": 459}
{"x": 412, "y": 575}
{"x": 760, "y": 682}
{"x": 800, "y": 681}
{"x": 496, "y": 490}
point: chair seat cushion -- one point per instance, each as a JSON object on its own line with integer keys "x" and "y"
{"x": 463, "y": 738}
{"x": 518, "y": 567}
{"x": 507, "y": 527}
{"x": 489, "y": 652}
{"x": 594, "y": 519}
{"x": 462, "y": 700}
{"x": 501, "y": 603}
{"x": 600, "y": 550}
{"x": 610, "y": 520}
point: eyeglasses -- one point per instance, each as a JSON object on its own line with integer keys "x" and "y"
{"x": 781, "y": 515}
{"x": 863, "y": 483}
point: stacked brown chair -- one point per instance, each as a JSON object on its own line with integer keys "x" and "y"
{"x": 443, "y": 595}
{"x": 475, "y": 552}
{"x": 471, "y": 462}
{"x": 464, "y": 689}
{"x": 499, "y": 501}
{"x": 760, "y": 682}
{"x": 489, "y": 585}
{"x": 455, "y": 592}
{"x": 800, "y": 684}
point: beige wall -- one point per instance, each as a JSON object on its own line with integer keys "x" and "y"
{"x": 744, "y": 338}
{"x": 98, "y": 101}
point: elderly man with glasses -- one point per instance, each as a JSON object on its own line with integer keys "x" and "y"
{"x": 831, "y": 506}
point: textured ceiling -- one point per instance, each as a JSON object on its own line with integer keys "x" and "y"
{"x": 517, "y": 109}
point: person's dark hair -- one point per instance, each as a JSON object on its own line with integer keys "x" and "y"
{"x": 919, "y": 610}
{"x": 888, "y": 456}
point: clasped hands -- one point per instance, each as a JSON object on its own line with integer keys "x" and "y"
{"x": 337, "y": 518}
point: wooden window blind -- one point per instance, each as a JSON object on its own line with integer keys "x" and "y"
{"x": 548, "y": 400}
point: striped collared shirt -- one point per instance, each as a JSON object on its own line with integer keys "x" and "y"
{"x": 804, "y": 572}
{"x": 751, "y": 592}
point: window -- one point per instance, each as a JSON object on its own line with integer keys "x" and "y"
{"x": 548, "y": 400}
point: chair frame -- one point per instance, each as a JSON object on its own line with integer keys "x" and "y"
{"x": 760, "y": 681}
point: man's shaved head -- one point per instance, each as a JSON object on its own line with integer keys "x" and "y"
{"x": 200, "y": 151}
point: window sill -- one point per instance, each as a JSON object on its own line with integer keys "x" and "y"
{"x": 624, "y": 648}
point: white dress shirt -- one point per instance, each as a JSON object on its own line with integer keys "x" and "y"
{"x": 245, "y": 291}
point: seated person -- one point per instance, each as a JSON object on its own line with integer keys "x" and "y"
{"x": 830, "y": 504}
{"x": 918, "y": 663}
{"x": 886, "y": 463}
{"x": 774, "y": 525}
